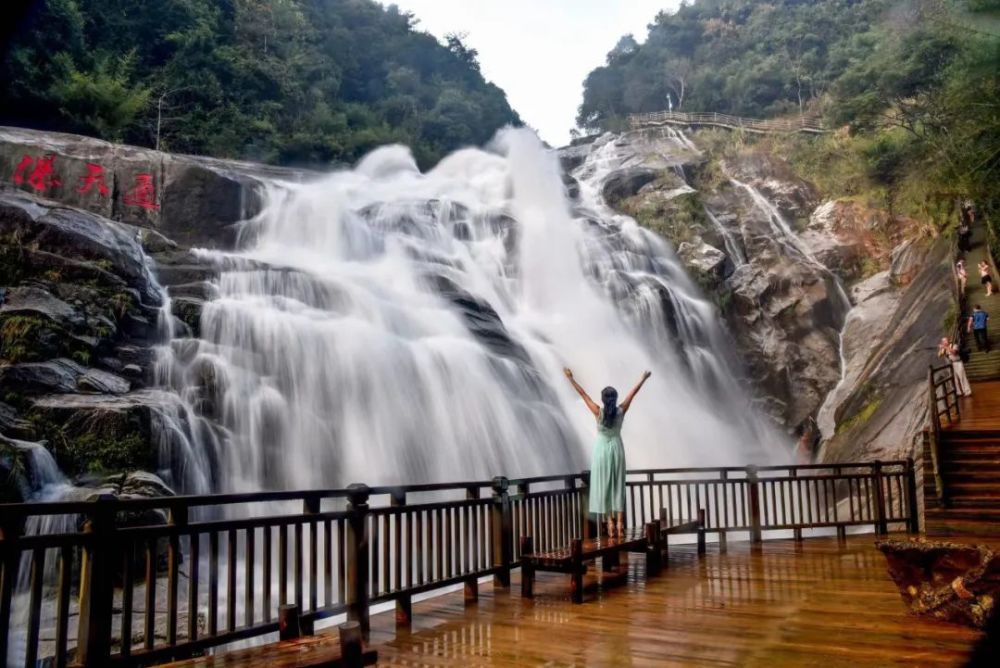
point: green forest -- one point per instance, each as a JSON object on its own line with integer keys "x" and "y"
{"x": 915, "y": 82}
{"x": 295, "y": 82}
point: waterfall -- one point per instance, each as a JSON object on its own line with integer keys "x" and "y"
{"x": 389, "y": 325}
{"x": 733, "y": 248}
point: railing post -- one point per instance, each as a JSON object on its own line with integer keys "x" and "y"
{"x": 472, "y": 582}
{"x": 881, "y": 528}
{"x": 311, "y": 505}
{"x": 753, "y": 498}
{"x": 96, "y": 584}
{"x": 587, "y": 530}
{"x": 913, "y": 512}
{"x": 503, "y": 539}
{"x": 724, "y": 476}
{"x": 404, "y": 604}
{"x": 357, "y": 556}
{"x": 796, "y": 503}
{"x": 11, "y": 529}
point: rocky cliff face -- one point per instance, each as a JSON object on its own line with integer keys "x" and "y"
{"x": 84, "y": 227}
{"x": 791, "y": 271}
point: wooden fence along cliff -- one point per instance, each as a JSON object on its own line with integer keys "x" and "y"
{"x": 333, "y": 552}
{"x": 697, "y": 119}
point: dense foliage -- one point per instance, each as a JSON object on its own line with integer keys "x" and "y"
{"x": 288, "y": 81}
{"x": 742, "y": 57}
{"x": 916, "y": 82}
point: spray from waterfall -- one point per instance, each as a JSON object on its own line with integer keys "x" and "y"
{"x": 385, "y": 324}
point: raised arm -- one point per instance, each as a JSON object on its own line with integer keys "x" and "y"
{"x": 594, "y": 408}
{"x": 635, "y": 391}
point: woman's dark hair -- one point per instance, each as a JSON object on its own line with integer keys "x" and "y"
{"x": 609, "y": 397}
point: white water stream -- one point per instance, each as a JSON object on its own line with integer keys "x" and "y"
{"x": 389, "y": 325}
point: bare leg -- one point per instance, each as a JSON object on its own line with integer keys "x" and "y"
{"x": 621, "y": 526}
{"x": 611, "y": 526}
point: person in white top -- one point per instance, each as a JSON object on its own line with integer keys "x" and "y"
{"x": 948, "y": 349}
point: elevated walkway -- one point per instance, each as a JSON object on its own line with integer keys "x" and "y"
{"x": 811, "y": 124}
{"x": 808, "y": 603}
{"x": 962, "y": 457}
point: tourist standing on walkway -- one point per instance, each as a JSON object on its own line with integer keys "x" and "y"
{"x": 977, "y": 325}
{"x": 950, "y": 350}
{"x": 607, "y": 471}
{"x": 984, "y": 277}
{"x": 965, "y": 232}
{"x": 963, "y": 276}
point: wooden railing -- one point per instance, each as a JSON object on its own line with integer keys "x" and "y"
{"x": 222, "y": 567}
{"x": 796, "y": 124}
{"x": 943, "y": 410}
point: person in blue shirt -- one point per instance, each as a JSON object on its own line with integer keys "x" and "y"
{"x": 977, "y": 325}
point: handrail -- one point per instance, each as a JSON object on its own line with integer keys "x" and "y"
{"x": 798, "y": 124}
{"x": 354, "y": 553}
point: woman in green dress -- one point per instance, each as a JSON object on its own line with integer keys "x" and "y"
{"x": 607, "y": 472}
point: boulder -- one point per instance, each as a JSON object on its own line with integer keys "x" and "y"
{"x": 76, "y": 234}
{"x": 195, "y": 201}
{"x": 482, "y": 321}
{"x": 946, "y": 581}
{"x": 705, "y": 261}
{"x": 625, "y": 183}
{"x": 102, "y": 382}
{"x": 98, "y": 433}
{"x": 54, "y": 376}
{"x": 34, "y": 301}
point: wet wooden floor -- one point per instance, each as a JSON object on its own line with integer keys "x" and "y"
{"x": 807, "y": 604}
{"x": 981, "y": 411}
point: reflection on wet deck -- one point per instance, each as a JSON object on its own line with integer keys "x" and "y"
{"x": 812, "y": 603}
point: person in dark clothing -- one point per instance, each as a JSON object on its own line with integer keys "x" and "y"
{"x": 965, "y": 230}
{"x": 977, "y": 325}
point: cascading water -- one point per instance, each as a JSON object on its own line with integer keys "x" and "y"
{"x": 387, "y": 325}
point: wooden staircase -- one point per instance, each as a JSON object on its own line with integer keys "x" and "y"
{"x": 982, "y": 365}
{"x": 970, "y": 471}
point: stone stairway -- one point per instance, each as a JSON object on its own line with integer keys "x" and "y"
{"x": 982, "y": 365}
{"x": 970, "y": 469}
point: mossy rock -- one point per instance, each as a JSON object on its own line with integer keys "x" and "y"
{"x": 100, "y": 436}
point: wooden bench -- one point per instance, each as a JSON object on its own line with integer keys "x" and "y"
{"x": 651, "y": 540}
{"x": 314, "y": 651}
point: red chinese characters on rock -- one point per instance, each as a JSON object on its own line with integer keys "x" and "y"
{"x": 41, "y": 177}
{"x": 143, "y": 193}
{"x": 93, "y": 179}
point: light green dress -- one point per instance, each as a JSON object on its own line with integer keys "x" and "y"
{"x": 607, "y": 472}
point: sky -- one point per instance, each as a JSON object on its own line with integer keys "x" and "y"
{"x": 539, "y": 51}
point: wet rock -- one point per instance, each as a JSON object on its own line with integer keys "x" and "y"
{"x": 188, "y": 311}
{"x": 37, "y": 302}
{"x": 58, "y": 375}
{"x": 98, "y": 433}
{"x": 945, "y": 581}
{"x": 625, "y": 183}
{"x": 705, "y": 261}
{"x": 482, "y": 321}
{"x": 881, "y": 414}
{"x": 80, "y": 235}
{"x": 102, "y": 382}
{"x": 12, "y": 424}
